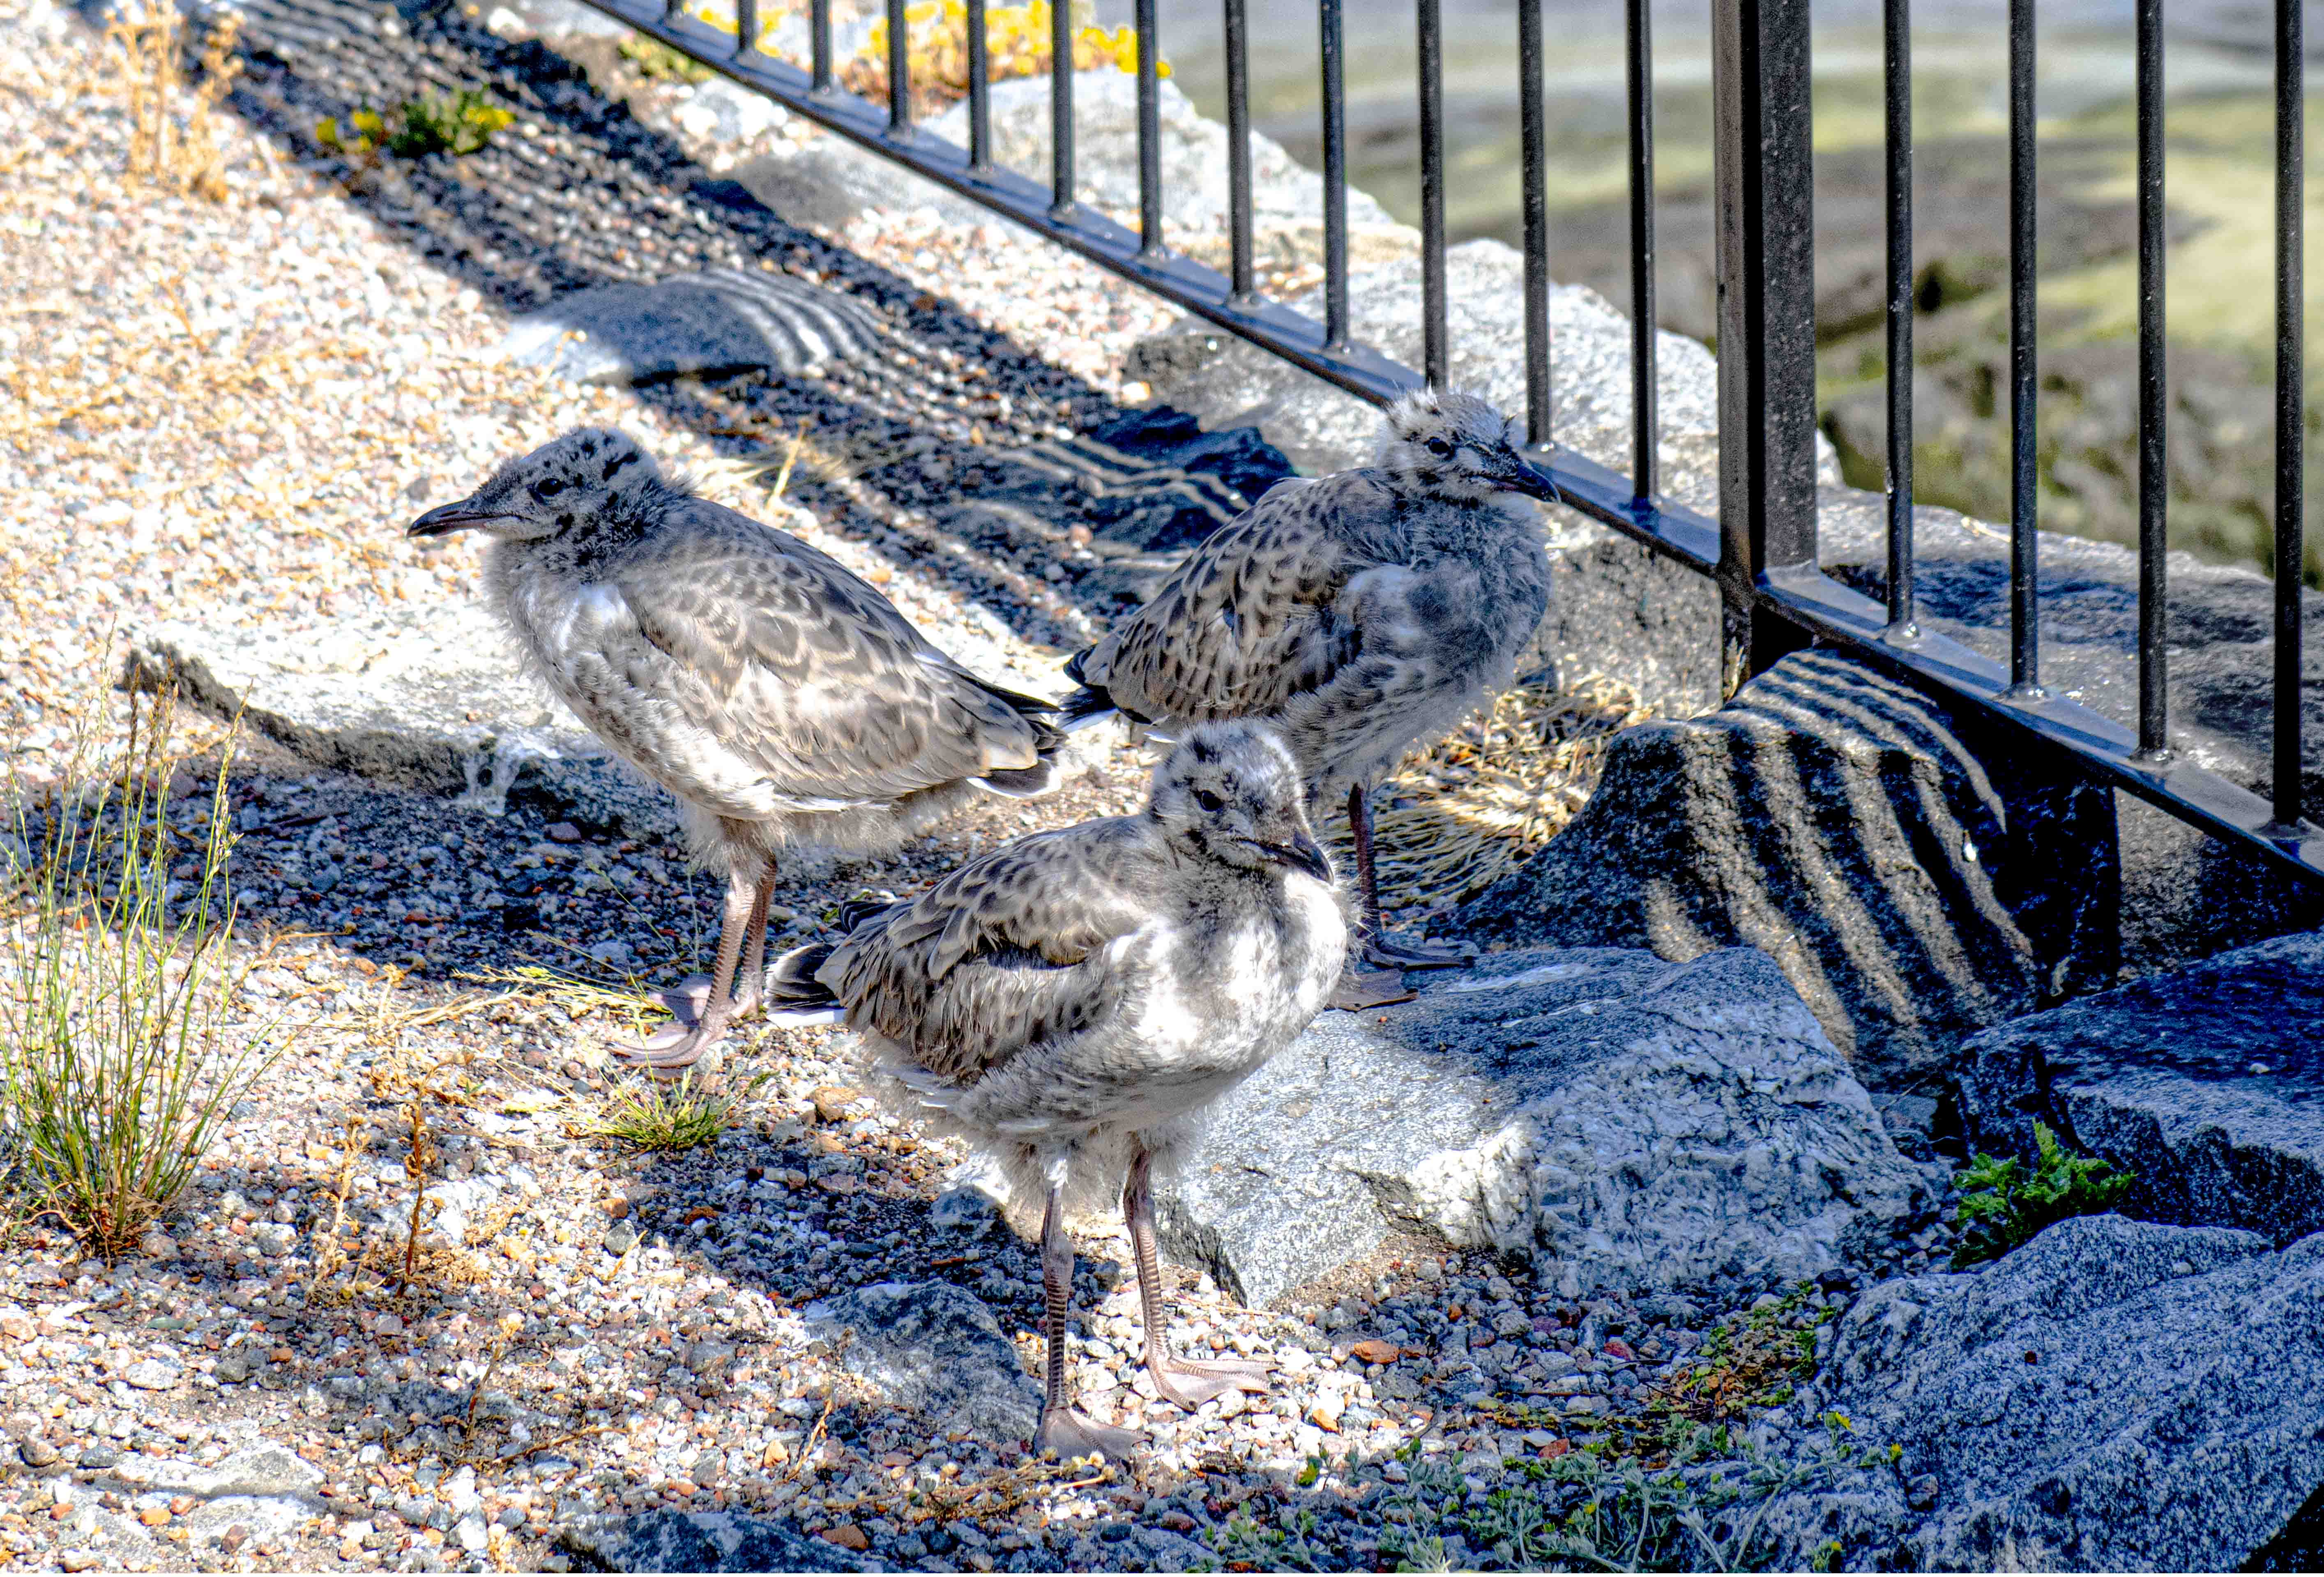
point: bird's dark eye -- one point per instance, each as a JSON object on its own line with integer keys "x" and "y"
{"x": 1440, "y": 448}
{"x": 1208, "y": 800}
{"x": 548, "y": 489}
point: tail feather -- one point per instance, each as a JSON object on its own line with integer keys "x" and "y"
{"x": 1084, "y": 706}
{"x": 794, "y": 995}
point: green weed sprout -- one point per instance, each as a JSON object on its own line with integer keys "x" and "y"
{"x": 2003, "y": 1206}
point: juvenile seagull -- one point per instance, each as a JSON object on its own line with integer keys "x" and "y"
{"x": 1359, "y": 613}
{"x": 1072, "y": 1000}
{"x": 776, "y": 695}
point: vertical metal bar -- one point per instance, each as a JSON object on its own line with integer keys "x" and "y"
{"x": 746, "y": 27}
{"x": 1765, "y": 212}
{"x": 671, "y": 9}
{"x": 1061, "y": 109}
{"x": 899, "y": 70}
{"x": 980, "y": 91}
{"x": 1534, "y": 131}
{"x": 1902, "y": 610}
{"x": 1149, "y": 132}
{"x": 1639, "y": 36}
{"x": 1335, "y": 181}
{"x": 2024, "y": 605}
{"x": 2291, "y": 409}
{"x": 1436, "y": 355}
{"x": 2153, "y": 395}
{"x": 1238, "y": 199}
{"x": 819, "y": 44}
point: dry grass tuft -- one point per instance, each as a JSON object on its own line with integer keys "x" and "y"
{"x": 1462, "y": 815}
{"x": 173, "y": 141}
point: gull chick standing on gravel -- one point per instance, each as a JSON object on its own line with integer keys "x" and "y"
{"x": 1362, "y": 613}
{"x": 775, "y": 694}
{"x": 1071, "y": 1000}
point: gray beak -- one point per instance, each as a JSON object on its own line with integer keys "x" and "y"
{"x": 1301, "y": 855}
{"x": 1518, "y": 476}
{"x": 446, "y": 518}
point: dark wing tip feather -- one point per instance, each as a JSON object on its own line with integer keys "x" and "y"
{"x": 1024, "y": 782}
{"x": 791, "y": 982}
{"x": 854, "y": 911}
{"x": 1085, "y": 706}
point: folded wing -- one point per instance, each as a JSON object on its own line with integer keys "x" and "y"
{"x": 1036, "y": 939}
{"x": 788, "y": 683}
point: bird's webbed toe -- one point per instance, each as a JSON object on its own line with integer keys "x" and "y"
{"x": 671, "y": 1050}
{"x": 1360, "y": 989}
{"x": 1384, "y": 951}
{"x": 1067, "y": 1432}
{"x": 1188, "y": 1382}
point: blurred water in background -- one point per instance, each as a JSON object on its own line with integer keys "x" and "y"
{"x": 2219, "y": 75}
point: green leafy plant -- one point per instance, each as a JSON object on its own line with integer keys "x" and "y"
{"x": 118, "y": 1067}
{"x": 656, "y": 59}
{"x": 648, "y": 1114}
{"x": 1752, "y": 1361}
{"x": 1696, "y": 1500}
{"x": 457, "y": 125}
{"x": 2004, "y": 1205}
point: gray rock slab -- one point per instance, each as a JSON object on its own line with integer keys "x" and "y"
{"x": 702, "y": 1541}
{"x": 2207, "y": 1081}
{"x": 720, "y": 322}
{"x": 1229, "y": 383}
{"x": 431, "y": 698}
{"x": 1285, "y": 197}
{"x": 2116, "y": 1396}
{"x": 1915, "y": 880}
{"x": 931, "y": 1348}
{"x": 265, "y": 1489}
{"x": 829, "y": 181}
{"x": 1623, "y": 1121}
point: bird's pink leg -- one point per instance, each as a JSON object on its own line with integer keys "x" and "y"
{"x": 1066, "y": 1430}
{"x": 681, "y": 1046}
{"x": 750, "y": 983}
{"x": 1180, "y": 1380}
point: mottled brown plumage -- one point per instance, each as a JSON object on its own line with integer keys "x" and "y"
{"x": 777, "y": 694}
{"x": 1070, "y": 1001}
{"x": 1361, "y": 613}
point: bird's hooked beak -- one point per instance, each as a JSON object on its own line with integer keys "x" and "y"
{"x": 1300, "y": 854}
{"x": 446, "y": 518}
{"x": 1515, "y": 474}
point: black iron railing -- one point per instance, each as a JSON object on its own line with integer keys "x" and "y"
{"x": 1762, "y": 551}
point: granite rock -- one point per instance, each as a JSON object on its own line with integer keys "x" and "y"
{"x": 701, "y": 1541}
{"x": 2115, "y": 1395}
{"x": 713, "y": 324}
{"x": 935, "y": 1350}
{"x": 1915, "y": 881}
{"x": 2206, "y": 1083}
{"x": 1623, "y": 1121}
{"x": 1286, "y": 198}
{"x": 431, "y": 698}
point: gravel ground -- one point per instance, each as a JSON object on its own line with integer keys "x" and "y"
{"x": 227, "y": 405}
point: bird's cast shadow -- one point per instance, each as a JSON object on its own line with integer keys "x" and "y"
{"x": 888, "y": 431}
